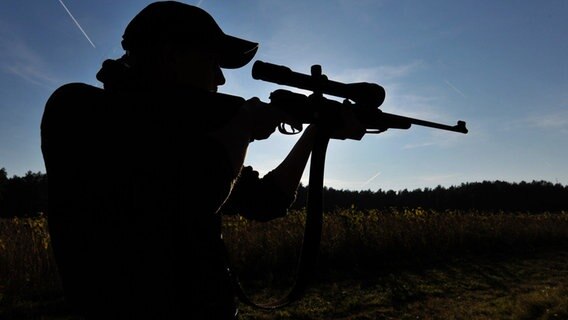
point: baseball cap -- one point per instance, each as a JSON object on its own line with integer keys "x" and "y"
{"x": 189, "y": 26}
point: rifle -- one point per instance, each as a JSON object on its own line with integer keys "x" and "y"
{"x": 365, "y": 99}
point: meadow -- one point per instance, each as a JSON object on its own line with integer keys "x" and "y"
{"x": 388, "y": 264}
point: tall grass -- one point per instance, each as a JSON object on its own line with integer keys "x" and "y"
{"x": 352, "y": 241}
{"x": 358, "y": 241}
{"x": 27, "y": 268}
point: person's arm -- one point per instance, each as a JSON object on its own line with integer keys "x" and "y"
{"x": 269, "y": 197}
{"x": 287, "y": 175}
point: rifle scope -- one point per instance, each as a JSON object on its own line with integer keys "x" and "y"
{"x": 364, "y": 93}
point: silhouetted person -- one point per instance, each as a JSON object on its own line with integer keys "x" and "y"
{"x": 139, "y": 170}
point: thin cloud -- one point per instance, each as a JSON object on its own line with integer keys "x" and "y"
{"x": 553, "y": 121}
{"x": 399, "y": 99}
{"x": 437, "y": 138}
{"x": 77, "y": 23}
{"x": 438, "y": 178}
{"x": 549, "y": 120}
{"x": 380, "y": 73}
{"x": 402, "y": 101}
{"x": 419, "y": 145}
{"x": 30, "y": 74}
{"x": 18, "y": 59}
{"x": 395, "y": 72}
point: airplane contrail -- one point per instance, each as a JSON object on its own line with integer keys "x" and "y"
{"x": 199, "y": 3}
{"x": 77, "y": 23}
{"x": 371, "y": 179}
{"x": 454, "y": 88}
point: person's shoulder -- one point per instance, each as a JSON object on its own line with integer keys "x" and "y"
{"x": 75, "y": 90}
{"x": 73, "y": 93}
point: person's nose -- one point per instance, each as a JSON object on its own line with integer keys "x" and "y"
{"x": 219, "y": 78}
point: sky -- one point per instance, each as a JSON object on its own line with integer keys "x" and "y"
{"x": 501, "y": 66}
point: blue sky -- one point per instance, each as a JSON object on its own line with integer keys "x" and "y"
{"x": 499, "y": 65}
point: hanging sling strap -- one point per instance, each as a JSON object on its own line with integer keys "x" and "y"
{"x": 312, "y": 234}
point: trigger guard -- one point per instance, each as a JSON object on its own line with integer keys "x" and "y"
{"x": 283, "y": 130}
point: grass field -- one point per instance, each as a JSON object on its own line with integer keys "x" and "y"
{"x": 528, "y": 287}
{"x": 394, "y": 264}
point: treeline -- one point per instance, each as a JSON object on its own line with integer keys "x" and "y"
{"x": 23, "y": 196}
{"x": 27, "y": 196}
{"x": 535, "y": 196}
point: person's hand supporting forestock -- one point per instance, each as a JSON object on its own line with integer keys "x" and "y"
{"x": 346, "y": 125}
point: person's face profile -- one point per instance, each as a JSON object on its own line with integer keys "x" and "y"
{"x": 199, "y": 67}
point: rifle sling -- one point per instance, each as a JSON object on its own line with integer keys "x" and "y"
{"x": 312, "y": 234}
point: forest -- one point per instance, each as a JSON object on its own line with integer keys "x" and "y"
{"x": 27, "y": 196}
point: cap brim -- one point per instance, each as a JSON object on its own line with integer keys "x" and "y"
{"x": 236, "y": 52}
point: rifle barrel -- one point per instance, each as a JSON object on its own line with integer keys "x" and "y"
{"x": 459, "y": 127}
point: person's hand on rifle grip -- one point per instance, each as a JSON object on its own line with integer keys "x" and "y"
{"x": 347, "y": 125}
{"x": 264, "y": 118}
